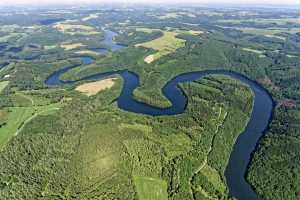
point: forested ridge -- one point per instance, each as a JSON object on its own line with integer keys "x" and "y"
{"x": 57, "y": 143}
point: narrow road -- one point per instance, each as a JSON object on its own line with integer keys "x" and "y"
{"x": 208, "y": 152}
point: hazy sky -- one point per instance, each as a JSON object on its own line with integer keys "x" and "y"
{"x": 39, "y": 2}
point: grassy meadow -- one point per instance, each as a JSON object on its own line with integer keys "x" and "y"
{"x": 25, "y": 108}
{"x": 14, "y": 119}
{"x": 164, "y": 45}
{"x": 151, "y": 188}
{"x": 3, "y": 85}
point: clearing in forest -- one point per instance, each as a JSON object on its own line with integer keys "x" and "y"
{"x": 164, "y": 45}
{"x": 71, "y": 46}
{"x": 89, "y": 52}
{"x": 255, "y": 51}
{"x": 13, "y": 119}
{"x": 150, "y": 188}
{"x": 91, "y": 16}
{"x": 93, "y": 88}
{"x": 75, "y": 29}
{"x": 3, "y": 85}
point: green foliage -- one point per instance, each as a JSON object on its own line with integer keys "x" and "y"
{"x": 3, "y": 85}
{"x": 150, "y": 188}
{"x": 274, "y": 155}
{"x": 132, "y": 37}
{"x": 94, "y": 158}
{"x": 14, "y": 120}
{"x": 90, "y": 149}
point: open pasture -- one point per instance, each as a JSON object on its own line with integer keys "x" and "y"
{"x": 164, "y": 45}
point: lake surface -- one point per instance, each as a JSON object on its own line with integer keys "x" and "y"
{"x": 109, "y": 43}
{"x": 3, "y": 46}
{"x": 15, "y": 49}
{"x": 246, "y": 142}
{"x": 109, "y": 40}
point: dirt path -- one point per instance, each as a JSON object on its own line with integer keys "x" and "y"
{"x": 31, "y": 118}
{"x": 26, "y": 97}
{"x": 35, "y": 114}
{"x": 205, "y": 160}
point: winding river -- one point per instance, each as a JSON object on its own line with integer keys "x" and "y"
{"x": 245, "y": 143}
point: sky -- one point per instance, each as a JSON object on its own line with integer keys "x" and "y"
{"x": 246, "y": 2}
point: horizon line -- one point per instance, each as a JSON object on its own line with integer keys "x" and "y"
{"x": 122, "y": 3}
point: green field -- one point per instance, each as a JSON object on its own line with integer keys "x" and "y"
{"x": 3, "y": 85}
{"x": 164, "y": 45}
{"x": 278, "y": 21}
{"x": 18, "y": 117}
{"x": 13, "y": 119}
{"x": 259, "y": 52}
{"x": 151, "y": 188}
{"x": 103, "y": 152}
{"x": 269, "y": 32}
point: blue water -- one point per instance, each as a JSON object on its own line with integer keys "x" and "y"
{"x": 109, "y": 43}
{"x": 15, "y": 49}
{"x": 3, "y": 46}
{"x": 109, "y": 40}
{"x": 246, "y": 142}
{"x": 54, "y": 78}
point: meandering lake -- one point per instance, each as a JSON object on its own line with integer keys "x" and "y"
{"x": 245, "y": 143}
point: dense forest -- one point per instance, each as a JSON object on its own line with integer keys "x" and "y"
{"x": 58, "y": 143}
